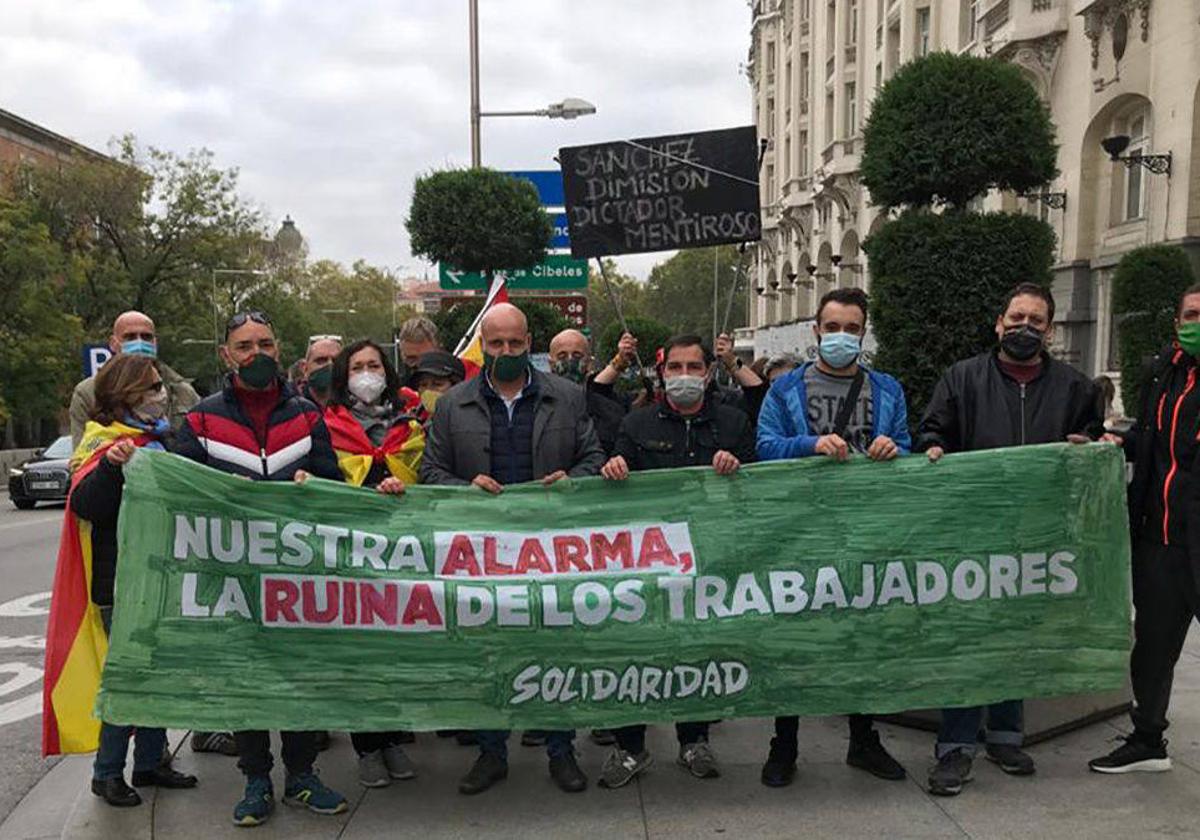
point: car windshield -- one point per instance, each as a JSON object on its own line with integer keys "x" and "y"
{"x": 61, "y": 448}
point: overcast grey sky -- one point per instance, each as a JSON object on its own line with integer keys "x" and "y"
{"x": 330, "y": 109}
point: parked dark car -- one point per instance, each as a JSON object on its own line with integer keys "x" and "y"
{"x": 43, "y": 478}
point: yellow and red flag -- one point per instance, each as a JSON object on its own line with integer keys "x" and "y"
{"x": 76, "y": 643}
{"x": 401, "y": 449}
{"x": 470, "y": 348}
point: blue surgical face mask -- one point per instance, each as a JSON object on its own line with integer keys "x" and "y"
{"x": 840, "y": 349}
{"x": 139, "y": 347}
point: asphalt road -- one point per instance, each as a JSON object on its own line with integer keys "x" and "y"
{"x": 28, "y": 549}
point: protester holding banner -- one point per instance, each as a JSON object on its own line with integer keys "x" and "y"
{"x": 129, "y": 412}
{"x": 133, "y": 332}
{"x": 686, "y": 430}
{"x": 1163, "y": 532}
{"x": 512, "y": 424}
{"x": 258, "y": 427}
{"x": 747, "y": 390}
{"x": 1013, "y": 395}
{"x": 571, "y": 358}
{"x": 834, "y": 407}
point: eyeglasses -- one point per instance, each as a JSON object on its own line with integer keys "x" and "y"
{"x": 242, "y": 317}
{"x": 313, "y": 339}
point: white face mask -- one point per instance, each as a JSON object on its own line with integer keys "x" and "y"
{"x": 367, "y": 386}
{"x": 685, "y": 390}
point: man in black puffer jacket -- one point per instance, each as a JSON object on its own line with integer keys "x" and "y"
{"x": 688, "y": 429}
{"x": 1014, "y": 395}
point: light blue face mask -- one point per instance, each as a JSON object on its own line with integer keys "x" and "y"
{"x": 840, "y": 349}
{"x": 139, "y": 347}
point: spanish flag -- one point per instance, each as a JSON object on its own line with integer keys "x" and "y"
{"x": 401, "y": 449}
{"x": 470, "y": 348}
{"x": 76, "y": 643}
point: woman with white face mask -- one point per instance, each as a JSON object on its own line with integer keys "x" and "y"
{"x": 379, "y": 441}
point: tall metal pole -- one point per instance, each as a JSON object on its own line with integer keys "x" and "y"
{"x": 473, "y": 6}
{"x": 715, "y": 304}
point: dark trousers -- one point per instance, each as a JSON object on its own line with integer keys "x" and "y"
{"x": 495, "y": 741}
{"x": 787, "y": 729}
{"x": 1165, "y": 601}
{"x": 960, "y": 727}
{"x": 254, "y": 752}
{"x": 632, "y": 739}
{"x": 369, "y": 742}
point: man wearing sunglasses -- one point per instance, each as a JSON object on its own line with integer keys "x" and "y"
{"x": 133, "y": 332}
{"x": 290, "y": 443}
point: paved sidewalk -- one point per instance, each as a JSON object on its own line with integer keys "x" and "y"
{"x": 828, "y": 798}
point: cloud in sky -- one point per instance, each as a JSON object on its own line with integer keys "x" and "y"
{"x": 330, "y": 110}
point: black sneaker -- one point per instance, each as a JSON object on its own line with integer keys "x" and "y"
{"x": 116, "y": 793}
{"x": 780, "y": 768}
{"x": 953, "y": 770}
{"x": 163, "y": 777}
{"x": 868, "y": 753}
{"x": 565, "y": 772}
{"x": 1136, "y": 755}
{"x": 488, "y": 769}
{"x": 214, "y": 742}
{"x": 1012, "y": 760}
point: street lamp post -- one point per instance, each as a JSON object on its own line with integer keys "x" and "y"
{"x": 568, "y": 109}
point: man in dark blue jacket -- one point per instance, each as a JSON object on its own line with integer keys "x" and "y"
{"x": 834, "y": 407}
{"x": 259, "y": 428}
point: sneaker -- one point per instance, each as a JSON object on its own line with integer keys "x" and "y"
{"x": 116, "y": 793}
{"x": 603, "y": 737}
{"x": 621, "y": 767}
{"x": 256, "y": 804}
{"x": 565, "y": 772}
{"x": 1134, "y": 756}
{"x": 399, "y": 765}
{"x": 214, "y": 742}
{"x": 1012, "y": 760}
{"x": 953, "y": 770}
{"x": 163, "y": 777}
{"x": 780, "y": 767}
{"x": 488, "y": 769}
{"x": 868, "y": 753}
{"x": 309, "y": 791}
{"x": 372, "y": 772}
{"x": 699, "y": 760}
{"x": 533, "y": 738}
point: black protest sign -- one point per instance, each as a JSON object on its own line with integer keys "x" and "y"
{"x": 662, "y": 193}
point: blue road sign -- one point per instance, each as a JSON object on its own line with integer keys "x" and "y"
{"x": 549, "y": 185}
{"x": 561, "y": 238}
{"x": 94, "y": 357}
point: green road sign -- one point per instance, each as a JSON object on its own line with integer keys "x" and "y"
{"x": 558, "y": 271}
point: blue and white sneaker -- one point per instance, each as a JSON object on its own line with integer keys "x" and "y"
{"x": 257, "y": 804}
{"x": 309, "y": 792}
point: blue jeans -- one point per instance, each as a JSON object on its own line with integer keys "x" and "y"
{"x": 149, "y": 743}
{"x": 960, "y": 727}
{"x": 495, "y": 741}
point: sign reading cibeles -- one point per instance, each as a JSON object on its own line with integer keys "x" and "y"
{"x": 662, "y": 193}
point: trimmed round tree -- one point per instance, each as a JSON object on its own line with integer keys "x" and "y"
{"x": 942, "y": 132}
{"x": 477, "y": 220}
{"x": 1146, "y": 289}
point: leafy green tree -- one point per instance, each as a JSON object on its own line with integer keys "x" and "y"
{"x": 651, "y": 335}
{"x": 627, "y": 291}
{"x": 545, "y": 321}
{"x": 679, "y": 291}
{"x": 946, "y": 128}
{"x": 1147, "y": 286}
{"x": 478, "y": 220}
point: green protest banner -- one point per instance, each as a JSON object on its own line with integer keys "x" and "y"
{"x": 807, "y": 587}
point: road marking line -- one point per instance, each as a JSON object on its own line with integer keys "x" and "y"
{"x": 24, "y": 642}
{"x": 21, "y": 708}
{"x": 22, "y": 675}
{"x": 23, "y": 607}
{"x": 41, "y": 521}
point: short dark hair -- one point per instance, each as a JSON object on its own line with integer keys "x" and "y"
{"x": 1193, "y": 289}
{"x": 1033, "y": 290}
{"x": 852, "y": 296}
{"x": 339, "y": 389}
{"x": 687, "y": 340}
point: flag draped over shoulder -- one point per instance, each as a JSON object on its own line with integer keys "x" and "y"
{"x": 470, "y": 348}
{"x": 401, "y": 448}
{"x": 76, "y": 643}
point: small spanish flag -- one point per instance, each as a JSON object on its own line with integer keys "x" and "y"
{"x": 401, "y": 449}
{"x": 470, "y": 348}
{"x": 76, "y": 643}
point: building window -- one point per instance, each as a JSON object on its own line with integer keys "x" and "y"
{"x": 802, "y": 9}
{"x": 803, "y": 152}
{"x": 1134, "y": 187}
{"x": 923, "y": 23}
{"x": 828, "y": 118}
{"x": 770, "y": 183}
{"x": 787, "y": 159}
{"x": 770, "y": 62}
{"x": 804, "y": 75}
{"x": 771, "y": 116}
{"x": 851, "y": 110}
{"x": 878, "y": 76}
{"x": 852, "y": 23}
{"x": 969, "y": 24}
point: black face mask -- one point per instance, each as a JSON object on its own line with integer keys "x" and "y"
{"x": 259, "y": 372}
{"x": 1022, "y": 343}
